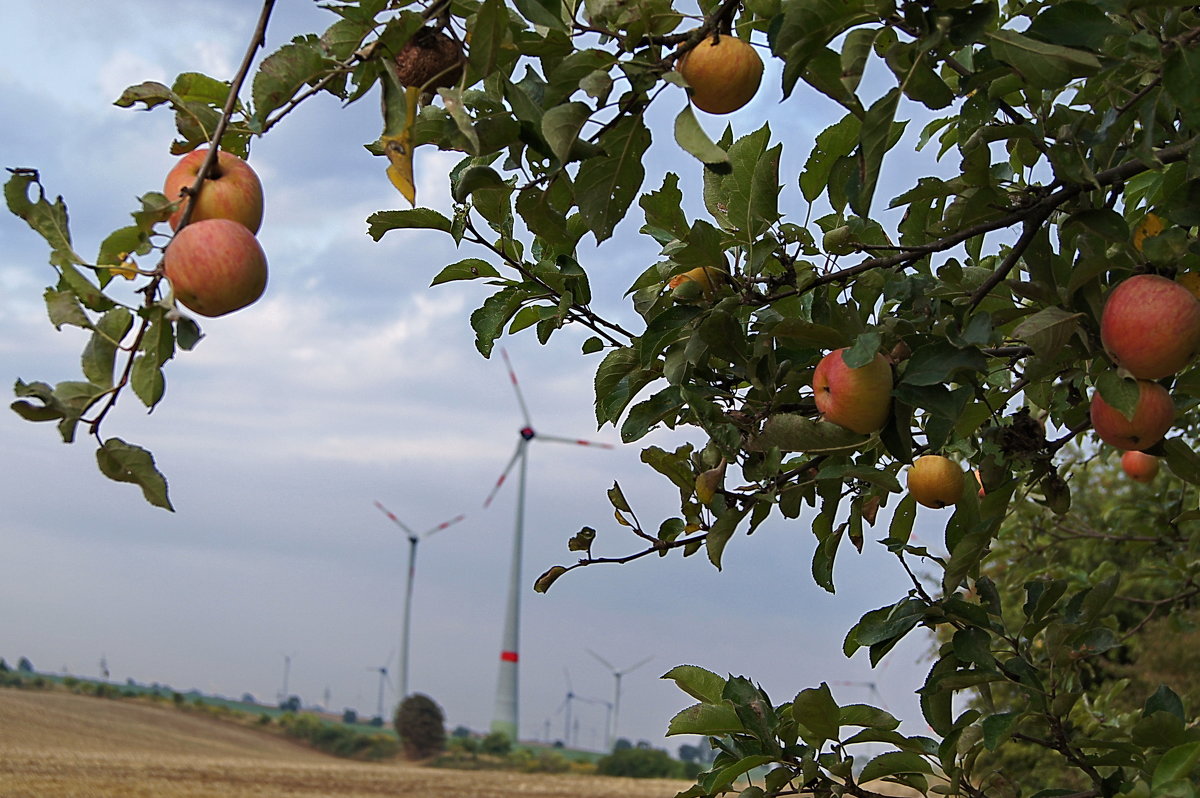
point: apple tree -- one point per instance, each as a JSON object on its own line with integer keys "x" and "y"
{"x": 1064, "y": 136}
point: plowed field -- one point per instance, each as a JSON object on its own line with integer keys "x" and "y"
{"x": 59, "y": 745}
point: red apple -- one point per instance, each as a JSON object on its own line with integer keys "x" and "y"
{"x": 1151, "y": 326}
{"x": 215, "y": 266}
{"x": 1139, "y": 466}
{"x": 935, "y": 481}
{"x": 1152, "y": 417}
{"x": 858, "y": 399}
{"x": 231, "y": 190}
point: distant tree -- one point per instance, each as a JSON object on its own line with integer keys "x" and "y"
{"x": 622, "y": 744}
{"x": 349, "y": 716}
{"x": 461, "y": 732}
{"x": 248, "y": 698}
{"x": 290, "y": 704}
{"x": 421, "y": 725}
{"x": 3, "y": 666}
{"x": 24, "y": 665}
{"x": 640, "y": 763}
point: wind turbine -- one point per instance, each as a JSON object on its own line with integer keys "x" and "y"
{"x": 413, "y": 540}
{"x": 383, "y": 680}
{"x": 617, "y": 674}
{"x": 505, "y": 719}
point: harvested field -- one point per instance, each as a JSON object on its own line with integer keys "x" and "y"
{"x": 59, "y": 745}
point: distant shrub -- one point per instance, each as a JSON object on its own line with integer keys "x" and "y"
{"x": 421, "y": 725}
{"x": 639, "y": 763}
{"x": 336, "y": 739}
{"x": 349, "y": 716}
{"x": 496, "y": 744}
{"x": 264, "y": 719}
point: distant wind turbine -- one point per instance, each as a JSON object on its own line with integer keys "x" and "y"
{"x": 383, "y": 681}
{"x": 617, "y": 674}
{"x": 413, "y": 539}
{"x": 506, "y": 719}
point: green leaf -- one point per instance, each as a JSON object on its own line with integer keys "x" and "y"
{"x": 664, "y": 210}
{"x": 900, "y": 530}
{"x": 706, "y": 719}
{"x": 646, "y": 415}
{"x": 488, "y": 321}
{"x": 466, "y": 269}
{"x": 938, "y": 362}
{"x": 722, "y": 531}
{"x": 997, "y": 728}
{"x": 607, "y": 185}
{"x": 488, "y": 36}
{"x": 63, "y": 308}
{"x": 867, "y": 716}
{"x": 543, "y": 582}
{"x": 692, "y": 139}
{"x": 792, "y": 432}
{"x": 561, "y": 125}
{"x": 815, "y": 710}
{"x": 619, "y": 378}
{"x": 1164, "y": 699}
{"x": 1183, "y": 461}
{"x": 835, "y": 142}
{"x": 284, "y": 72}
{"x": 1048, "y": 330}
{"x": 1120, "y": 393}
{"x": 49, "y": 220}
{"x": 701, "y": 684}
{"x": 892, "y": 763}
{"x": 124, "y": 462}
{"x": 1178, "y": 763}
{"x": 1043, "y": 65}
{"x": 382, "y": 222}
{"x": 876, "y": 137}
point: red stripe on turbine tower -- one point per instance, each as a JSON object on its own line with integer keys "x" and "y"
{"x": 508, "y": 656}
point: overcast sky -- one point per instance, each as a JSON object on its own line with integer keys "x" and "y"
{"x": 351, "y": 381}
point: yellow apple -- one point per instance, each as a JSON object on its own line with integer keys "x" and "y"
{"x": 935, "y": 481}
{"x": 723, "y": 72}
{"x": 859, "y": 399}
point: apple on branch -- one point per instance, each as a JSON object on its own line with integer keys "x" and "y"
{"x": 935, "y": 481}
{"x": 231, "y": 190}
{"x": 1150, "y": 326}
{"x": 859, "y": 399}
{"x": 215, "y": 266}
{"x": 1152, "y": 417}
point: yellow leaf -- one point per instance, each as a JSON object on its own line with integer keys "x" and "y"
{"x": 1149, "y": 227}
{"x": 399, "y": 149}
{"x": 127, "y": 268}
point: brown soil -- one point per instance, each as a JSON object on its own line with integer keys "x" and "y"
{"x": 60, "y": 745}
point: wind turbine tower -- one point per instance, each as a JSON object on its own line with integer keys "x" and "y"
{"x": 506, "y": 718}
{"x": 413, "y": 540}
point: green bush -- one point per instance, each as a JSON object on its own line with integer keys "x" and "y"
{"x": 421, "y": 725}
{"x": 496, "y": 744}
{"x": 640, "y": 763}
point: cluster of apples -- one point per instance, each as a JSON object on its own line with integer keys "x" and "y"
{"x": 860, "y": 399}
{"x": 1150, "y": 328}
{"x": 214, "y": 263}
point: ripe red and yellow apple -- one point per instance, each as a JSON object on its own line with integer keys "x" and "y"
{"x": 231, "y": 190}
{"x": 1152, "y": 417}
{"x": 706, "y": 280}
{"x": 859, "y": 399}
{"x": 935, "y": 481}
{"x": 215, "y": 266}
{"x": 724, "y": 73}
{"x": 1139, "y": 466}
{"x": 1151, "y": 326}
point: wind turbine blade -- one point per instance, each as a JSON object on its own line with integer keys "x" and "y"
{"x": 603, "y": 661}
{"x": 395, "y": 520}
{"x": 576, "y": 441}
{"x": 445, "y": 524}
{"x": 635, "y": 667}
{"x": 512, "y": 375}
{"x": 504, "y": 475}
